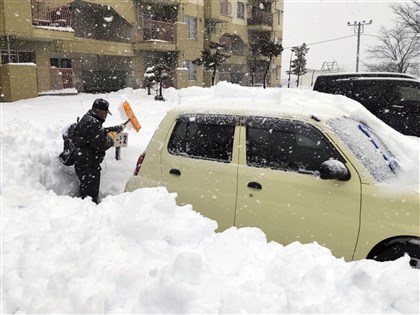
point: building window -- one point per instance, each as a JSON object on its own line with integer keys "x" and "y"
{"x": 279, "y": 15}
{"x": 225, "y": 7}
{"x": 60, "y": 63}
{"x": 14, "y": 56}
{"x": 210, "y": 27}
{"x": 241, "y": 10}
{"x": 192, "y": 70}
{"x": 192, "y": 26}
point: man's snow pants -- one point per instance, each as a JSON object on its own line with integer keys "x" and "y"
{"x": 90, "y": 179}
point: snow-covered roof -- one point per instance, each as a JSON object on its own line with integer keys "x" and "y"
{"x": 369, "y": 74}
{"x": 225, "y": 97}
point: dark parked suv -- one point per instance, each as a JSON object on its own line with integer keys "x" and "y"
{"x": 392, "y": 97}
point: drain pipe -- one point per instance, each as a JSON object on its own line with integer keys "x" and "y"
{"x": 8, "y": 47}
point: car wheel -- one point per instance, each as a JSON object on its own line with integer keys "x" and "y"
{"x": 395, "y": 251}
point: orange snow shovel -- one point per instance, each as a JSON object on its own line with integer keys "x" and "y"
{"x": 132, "y": 118}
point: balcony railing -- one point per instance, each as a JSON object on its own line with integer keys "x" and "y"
{"x": 260, "y": 17}
{"x": 158, "y": 30}
{"x": 62, "y": 78}
{"x": 258, "y": 78}
{"x": 44, "y": 15}
{"x": 170, "y": 80}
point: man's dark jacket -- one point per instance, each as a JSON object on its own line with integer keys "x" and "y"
{"x": 93, "y": 141}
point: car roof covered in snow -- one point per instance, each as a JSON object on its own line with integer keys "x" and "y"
{"x": 367, "y": 75}
{"x": 274, "y": 102}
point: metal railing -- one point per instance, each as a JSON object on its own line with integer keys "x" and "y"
{"x": 158, "y": 30}
{"x": 170, "y": 80}
{"x": 258, "y": 78}
{"x": 44, "y": 15}
{"x": 62, "y": 78}
{"x": 260, "y": 17}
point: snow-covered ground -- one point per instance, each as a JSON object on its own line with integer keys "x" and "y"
{"x": 141, "y": 253}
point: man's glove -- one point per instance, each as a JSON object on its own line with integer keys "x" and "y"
{"x": 112, "y": 135}
{"x": 120, "y": 128}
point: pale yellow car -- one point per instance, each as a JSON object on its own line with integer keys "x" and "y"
{"x": 297, "y": 177}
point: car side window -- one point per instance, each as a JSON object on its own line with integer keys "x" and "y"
{"x": 286, "y": 145}
{"x": 207, "y": 137}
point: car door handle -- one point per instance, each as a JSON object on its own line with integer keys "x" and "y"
{"x": 255, "y": 185}
{"x": 175, "y": 172}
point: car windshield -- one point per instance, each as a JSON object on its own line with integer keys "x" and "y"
{"x": 367, "y": 147}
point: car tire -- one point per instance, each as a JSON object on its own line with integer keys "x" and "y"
{"x": 398, "y": 250}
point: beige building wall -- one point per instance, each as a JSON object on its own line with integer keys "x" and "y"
{"x": 189, "y": 48}
{"x": 130, "y": 54}
{"x": 18, "y": 81}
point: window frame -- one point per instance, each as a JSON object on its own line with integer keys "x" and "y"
{"x": 288, "y": 126}
{"x": 62, "y": 63}
{"x": 192, "y": 70}
{"x": 176, "y": 147}
{"x": 16, "y": 56}
{"x": 192, "y": 24}
{"x": 240, "y": 10}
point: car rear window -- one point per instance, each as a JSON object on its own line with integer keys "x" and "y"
{"x": 207, "y": 137}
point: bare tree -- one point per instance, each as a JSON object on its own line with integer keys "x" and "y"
{"x": 396, "y": 51}
{"x": 408, "y": 14}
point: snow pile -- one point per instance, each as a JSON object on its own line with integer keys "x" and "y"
{"x": 141, "y": 253}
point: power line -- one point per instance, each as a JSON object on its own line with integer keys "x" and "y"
{"x": 324, "y": 41}
{"x": 379, "y": 36}
{"x": 335, "y": 39}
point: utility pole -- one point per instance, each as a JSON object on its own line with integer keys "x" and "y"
{"x": 358, "y": 28}
{"x": 290, "y": 68}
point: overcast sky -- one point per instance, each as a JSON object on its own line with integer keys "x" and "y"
{"x": 324, "y": 22}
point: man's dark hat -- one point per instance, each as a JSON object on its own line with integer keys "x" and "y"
{"x": 101, "y": 104}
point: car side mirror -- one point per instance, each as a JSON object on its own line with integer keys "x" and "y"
{"x": 333, "y": 169}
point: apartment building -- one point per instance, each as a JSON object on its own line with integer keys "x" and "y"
{"x": 105, "y": 45}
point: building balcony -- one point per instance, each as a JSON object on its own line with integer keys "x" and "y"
{"x": 157, "y": 35}
{"x": 44, "y": 15}
{"x": 158, "y": 31}
{"x": 260, "y": 18}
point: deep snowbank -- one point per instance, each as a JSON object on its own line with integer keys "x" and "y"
{"x": 140, "y": 253}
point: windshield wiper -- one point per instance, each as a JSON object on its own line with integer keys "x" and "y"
{"x": 391, "y": 162}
